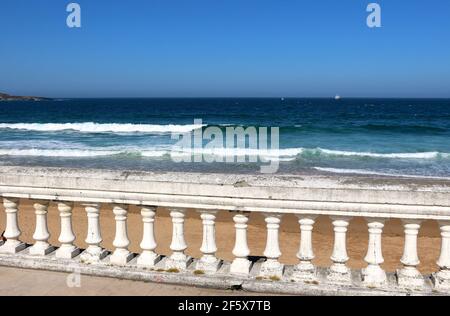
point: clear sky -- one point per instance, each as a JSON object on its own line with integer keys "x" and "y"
{"x": 268, "y": 48}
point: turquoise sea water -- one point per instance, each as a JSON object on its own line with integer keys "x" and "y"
{"x": 385, "y": 136}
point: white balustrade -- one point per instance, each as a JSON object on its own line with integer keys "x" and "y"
{"x": 306, "y": 196}
{"x": 373, "y": 275}
{"x": 208, "y": 262}
{"x": 41, "y": 234}
{"x": 339, "y": 272}
{"x": 178, "y": 260}
{"x": 409, "y": 276}
{"x": 272, "y": 267}
{"x": 241, "y": 265}
{"x": 94, "y": 253}
{"x": 121, "y": 254}
{"x": 305, "y": 270}
{"x": 441, "y": 279}
{"x": 12, "y": 232}
{"x": 67, "y": 250}
{"x": 148, "y": 258}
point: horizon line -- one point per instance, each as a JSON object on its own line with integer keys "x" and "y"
{"x": 251, "y": 97}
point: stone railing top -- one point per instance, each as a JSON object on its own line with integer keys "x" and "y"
{"x": 328, "y": 194}
{"x": 372, "y": 182}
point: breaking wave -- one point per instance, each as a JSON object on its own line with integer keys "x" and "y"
{"x": 57, "y": 152}
{"x": 91, "y": 127}
{"x": 287, "y": 154}
{"x": 369, "y": 172}
{"x": 419, "y": 155}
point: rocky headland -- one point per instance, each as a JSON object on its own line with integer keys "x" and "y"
{"x": 7, "y": 97}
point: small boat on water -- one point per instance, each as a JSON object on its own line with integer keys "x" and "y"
{"x": 337, "y": 97}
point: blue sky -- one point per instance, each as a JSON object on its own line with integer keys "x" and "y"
{"x": 268, "y": 48}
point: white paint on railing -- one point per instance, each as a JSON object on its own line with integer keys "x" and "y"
{"x": 67, "y": 250}
{"x": 12, "y": 231}
{"x": 272, "y": 267}
{"x": 305, "y": 270}
{"x": 121, "y": 254}
{"x": 241, "y": 265}
{"x": 373, "y": 274}
{"x": 41, "y": 234}
{"x": 178, "y": 259}
{"x": 148, "y": 257}
{"x": 208, "y": 262}
{"x": 94, "y": 253}
{"x": 409, "y": 276}
{"x": 339, "y": 272}
{"x": 442, "y": 277}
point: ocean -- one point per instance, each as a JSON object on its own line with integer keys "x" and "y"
{"x": 409, "y": 137}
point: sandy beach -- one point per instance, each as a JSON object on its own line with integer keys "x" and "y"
{"x": 428, "y": 244}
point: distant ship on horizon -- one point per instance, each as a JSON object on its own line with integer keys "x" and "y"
{"x": 337, "y": 97}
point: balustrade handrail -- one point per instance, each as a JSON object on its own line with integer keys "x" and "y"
{"x": 322, "y": 195}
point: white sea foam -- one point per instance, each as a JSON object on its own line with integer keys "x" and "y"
{"x": 91, "y": 127}
{"x": 423, "y": 155}
{"x": 288, "y": 154}
{"x": 154, "y": 153}
{"x": 271, "y": 154}
{"x": 368, "y": 172}
{"x": 56, "y": 153}
{"x": 62, "y": 149}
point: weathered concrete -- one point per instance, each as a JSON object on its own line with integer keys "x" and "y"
{"x": 330, "y": 195}
{"x": 221, "y": 280}
{"x": 24, "y": 282}
{"x": 374, "y": 198}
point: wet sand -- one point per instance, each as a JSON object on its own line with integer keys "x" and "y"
{"x": 357, "y": 238}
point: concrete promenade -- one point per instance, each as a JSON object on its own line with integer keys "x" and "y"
{"x": 38, "y": 283}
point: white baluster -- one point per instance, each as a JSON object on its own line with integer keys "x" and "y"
{"x": 241, "y": 264}
{"x": 67, "y": 250}
{"x": 41, "y": 233}
{"x": 409, "y": 277}
{"x": 208, "y": 262}
{"x": 148, "y": 258}
{"x": 121, "y": 254}
{"x": 272, "y": 267}
{"x": 339, "y": 272}
{"x": 373, "y": 275}
{"x": 178, "y": 260}
{"x": 94, "y": 253}
{"x": 441, "y": 279}
{"x": 12, "y": 232}
{"x": 305, "y": 270}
